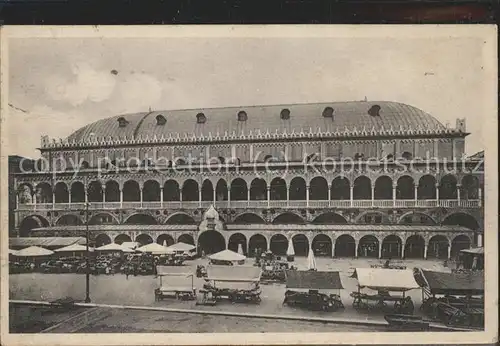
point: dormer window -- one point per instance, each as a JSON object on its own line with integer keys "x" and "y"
{"x": 285, "y": 114}
{"x": 328, "y": 112}
{"x": 242, "y": 116}
{"x": 374, "y": 111}
{"x": 122, "y": 122}
{"x": 201, "y": 118}
{"x": 160, "y": 120}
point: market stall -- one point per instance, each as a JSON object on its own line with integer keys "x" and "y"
{"x": 186, "y": 250}
{"x": 236, "y": 284}
{"x": 29, "y": 259}
{"x": 175, "y": 282}
{"x": 313, "y": 290}
{"x": 384, "y": 281}
{"x": 453, "y": 298}
{"x": 471, "y": 259}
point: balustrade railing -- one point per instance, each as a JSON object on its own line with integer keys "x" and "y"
{"x": 356, "y": 203}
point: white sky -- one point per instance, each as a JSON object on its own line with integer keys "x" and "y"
{"x": 63, "y": 84}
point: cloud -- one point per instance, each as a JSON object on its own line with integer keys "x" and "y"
{"x": 137, "y": 92}
{"x": 86, "y": 84}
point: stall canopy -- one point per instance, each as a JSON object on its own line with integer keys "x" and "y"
{"x": 34, "y": 251}
{"x": 45, "y": 242}
{"x": 181, "y": 247}
{"x": 233, "y": 273}
{"x": 398, "y": 280}
{"x": 154, "y": 248}
{"x": 74, "y": 248}
{"x": 114, "y": 247}
{"x": 313, "y": 280}
{"x": 130, "y": 244}
{"x": 227, "y": 255}
{"x": 12, "y": 252}
{"x": 474, "y": 251}
{"x": 471, "y": 283}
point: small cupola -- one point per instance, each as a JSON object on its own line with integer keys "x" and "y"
{"x": 374, "y": 111}
{"x": 285, "y": 114}
{"x": 201, "y": 118}
{"x": 122, "y": 122}
{"x": 328, "y": 112}
{"x": 161, "y": 120}
{"x": 242, "y": 116}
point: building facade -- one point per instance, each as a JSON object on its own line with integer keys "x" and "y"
{"x": 376, "y": 179}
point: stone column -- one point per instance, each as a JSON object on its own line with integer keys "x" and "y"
{"x": 479, "y": 240}
{"x": 53, "y": 199}
{"x": 458, "y": 192}
{"x": 394, "y": 195}
{"x": 437, "y": 193}
{"x": 229, "y": 198}
{"x": 351, "y": 197}
{"x": 356, "y": 244}
{"x": 449, "y": 251}
{"x": 425, "y": 251}
{"x": 180, "y": 197}
{"x": 307, "y": 195}
{"x": 268, "y": 196}
{"x": 215, "y": 195}
{"x": 480, "y": 195}
{"x": 329, "y": 195}
{"x": 17, "y": 200}
{"x": 248, "y": 196}
{"x": 121, "y": 198}
{"x": 373, "y": 195}
{"x": 141, "y": 196}
{"x": 86, "y": 192}
{"x": 34, "y": 201}
{"x": 103, "y": 195}
{"x": 199, "y": 197}
{"x": 161, "y": 197}
{"x": 402, "y": 250}
{"x": 415, "y": 189}
{"x": 69, "y": 197}
{"x": 333, "y": 248}
{"x": 287, "y": 195}
{"x": 380, "y": 250}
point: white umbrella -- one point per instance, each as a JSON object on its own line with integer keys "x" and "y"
{"x": 154, "y": 248}
{"x": 227, "y": 255}
{"x": 114, "y": 247}
{"x": 181, "y": 247}
{"x": 240, "y": 249}
{"x": 290, "y": 251}
{"x": 73, "y": 248}
{"x": 34, "y": 251}
{"x": 311, "y": 260}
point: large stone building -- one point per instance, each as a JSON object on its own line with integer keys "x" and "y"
{"x": 378, "y": 179}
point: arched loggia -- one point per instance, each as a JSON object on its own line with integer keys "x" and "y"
{"x": 322, "y": 245}
{"x": 239, "y": 190}
{"x": 258, "y": 189}
{"x": 340, "y": 189}
{"x": 207, "y": 191}
{"x": 278, "y": 189}
{"x": 257, "y": 242}
{"x": 383, "y": 188}
{"x": 210, "y": 242}
{"x": 300, "y": 245}
{"x": 279, "y": 244}
{"x": 61, "y": 193}
{"x": 151, "y": 191}
{"x": 190, "y": 191}
{"x": 368, "y": 246}
{"x": 318, "y": 189}
{"x": 345, "y": 246}
{"x": 171, "y": 191}
{"x": 236, "y": 241}
{"x": 297, "y": 189}
{"x": 362, "y": 188}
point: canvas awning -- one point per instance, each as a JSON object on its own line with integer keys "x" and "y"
{"x": 398, "y": 280}
{"x": 181, "y": 247}
{"x": 173, "y": 271}
{"x": 227, "y": 255}
{"x": 154, "y": 248}
{"x": 34, "y": 251}
{"x": 313, "y": 280}
{"x": 12, "y": 252}
{"x": 74, "y": 248}
{"x": 474, "y": 251}
{"x": 454, "y": 283}
{"x": 113, "y": 247}
{"x": 46, "y": 242}
{"x": 233, "y": 273}
{"x": 130, "y": 244}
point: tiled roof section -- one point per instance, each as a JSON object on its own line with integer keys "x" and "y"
{"x": 454, "y": 283}
{"x": 313, "y": 280}
{"x": 303, "y": 117}
{"x": 46, "y": 242}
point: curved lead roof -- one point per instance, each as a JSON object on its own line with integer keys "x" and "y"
{"x": 302, "y": 117}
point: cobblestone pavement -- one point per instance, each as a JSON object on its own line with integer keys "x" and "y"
{"x": 120, "y": 290}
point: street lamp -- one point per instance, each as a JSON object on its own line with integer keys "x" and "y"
{"x": 87, "y": 254}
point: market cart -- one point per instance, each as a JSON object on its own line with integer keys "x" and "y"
{"x": 233, "y": 283}
{"x": 303, "y": 290}
{"x": 383, "y": 282}
{"x": 180, "y": 283}
{"x": 453, "y": 298}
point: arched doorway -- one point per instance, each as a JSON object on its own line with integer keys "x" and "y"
{"x": 340, "y": 189}
{"x": 383, "y": 188}
{"x": 368, "y": 246}
{"x": 221, "y": 190}
{"x": 171, "y": 191}
{"x": 207, "y": 191}
{"x": 426, "y": 187}
{"x": 239, "y": 190}
{"x": 300, "y": 245}
{"x": 405, "y": 188}
{"x": 288, "y": 218}
{"x": 77, "y": 192}
{"x": 438, "y": 247}
{"x": 392, "y": 246}
{"x": 278, "y": 244}
{"x": 278, "y": 190}
{"x": 210, "y": 242}
{"x": 322, "y": 245}
{"x": 345, "y": 246}
{"x": 248, "y": 218}
{"x": 69, "y": 220}
{"x": 165, "y": 239}
{"x": 61, "y": 193}
{"x": 186, "y": 239}
{"x": 257, "y": 241}
{"x": 131, "y": 191}
{"x": 458, "y": 243}
{"x": 415, "y": 247}
{"x": 141, "y": 219}
{"x": 318, "y": 189}
{"x": 329, "y": 219}
{"x": 31, "y": 222}
{"x": 143, "y": 239}
{"x": 297, "y": 189}
{"x": 448, "y": 187}
{"x": 362, "y": 188}
{"x": 122, "y": 238}
{"x": 101, "y": 240}
{"x": 235, "y": 240}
